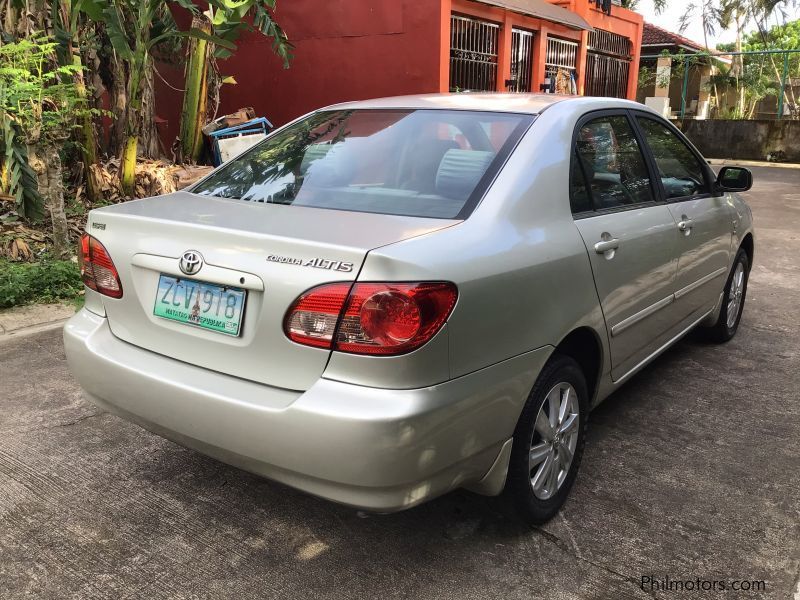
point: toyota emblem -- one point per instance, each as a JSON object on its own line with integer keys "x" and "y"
{"x": 191, "y": 262}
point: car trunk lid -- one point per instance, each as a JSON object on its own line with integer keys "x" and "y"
{"x": 273, "y": 252}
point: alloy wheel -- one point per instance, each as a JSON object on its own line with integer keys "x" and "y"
{"x": 735, "y": 295}
{"x": 555, "y": 437}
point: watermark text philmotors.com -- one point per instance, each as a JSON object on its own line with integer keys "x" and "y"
{"x": 665, "y": 583}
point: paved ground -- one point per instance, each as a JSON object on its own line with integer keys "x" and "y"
{"x": 692, "y": 470}
{"x": 22, "y": 320}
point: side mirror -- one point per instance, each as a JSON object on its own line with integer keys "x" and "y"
{"x": 734, "y": 179}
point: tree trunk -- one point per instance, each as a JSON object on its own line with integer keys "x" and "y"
{"x": 51, "y": 186}
{"x": 121, "y": 102}
{"x": 714, "y": 92}
{"x": 738, "y": 68}
{"x": 127, "y": 167}
{"x": 148, "y": 133}
{"x": 88, "y": 139}
{"x": 86, "y": 135}
{"x": 195, "y": 98}
{"x": 10, "y": 19}
{"x": 119, "y": 105}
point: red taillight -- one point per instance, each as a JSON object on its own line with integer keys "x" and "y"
{"x": 373, "y": 318}
{"x": 97, "y": 269}
{"x": 312, "y": 319}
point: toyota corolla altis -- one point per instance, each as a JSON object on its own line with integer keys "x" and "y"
{"x": 387, "y": 300}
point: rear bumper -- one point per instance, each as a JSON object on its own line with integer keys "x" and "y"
{"x": 371, "y": 448}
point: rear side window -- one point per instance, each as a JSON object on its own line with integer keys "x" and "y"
{"x": 681, "y": 172}
{"x": 425, "y": 163}
{"x": 579, "y": 199}
{"x": 612, "y": 163}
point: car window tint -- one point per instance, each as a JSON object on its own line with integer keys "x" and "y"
{"x": 423, "y": 163}
{"x": 613, "y": 163}
{"x": 579, "y": 198}
{"x": 681, "y": 173}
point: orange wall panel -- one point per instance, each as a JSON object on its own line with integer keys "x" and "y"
{"x": 623, "y": 22}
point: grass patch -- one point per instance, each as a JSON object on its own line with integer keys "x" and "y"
{"x": 45, "y": 281}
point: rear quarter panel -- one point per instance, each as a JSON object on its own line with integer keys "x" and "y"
{"x": 521, "y": 267}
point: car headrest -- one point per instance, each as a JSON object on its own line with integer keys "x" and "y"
{"x": 460, "y": 171}
{"x": 313, "y": 153}
{"x": 423, "y": 164}
{"x": 335, "y": 166}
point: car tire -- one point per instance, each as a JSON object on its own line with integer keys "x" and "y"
{"x": 538, "y": 482}
{"x": 733, "y": 298}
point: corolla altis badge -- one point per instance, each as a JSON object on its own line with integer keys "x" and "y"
{"x": 317, "y": 263}
{"x": 191, "y": 262}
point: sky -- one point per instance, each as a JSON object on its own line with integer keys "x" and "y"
{"x": 670, "y": 19}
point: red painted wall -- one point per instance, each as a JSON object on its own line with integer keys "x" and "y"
{"x": 344, "y": 50}
{"x": 359, "y": 49}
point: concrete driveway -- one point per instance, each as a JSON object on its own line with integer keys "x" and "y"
{"x": 691, "y": 471}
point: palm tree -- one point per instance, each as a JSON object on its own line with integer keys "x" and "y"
{"x": 737, "y": 13}
{"x": 761, "y": 12}
{"x": 710, "y": 15}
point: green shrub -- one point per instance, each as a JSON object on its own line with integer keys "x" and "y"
{"x": 45, "y": 281}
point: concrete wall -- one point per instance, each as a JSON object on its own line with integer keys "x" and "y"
{"x": 748, "y": 140}
{"x": 675, "y": 88}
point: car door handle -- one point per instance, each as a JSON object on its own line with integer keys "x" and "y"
{"x": 685, "y": 224}
{"x": 606, "y": 245}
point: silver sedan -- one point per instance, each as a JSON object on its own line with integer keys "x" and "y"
{"x": 387, "y": 300}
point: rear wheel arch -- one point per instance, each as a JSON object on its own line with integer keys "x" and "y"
{"x": 583, "y": 345}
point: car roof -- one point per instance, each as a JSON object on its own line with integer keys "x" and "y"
{"x": 487, "y": 101}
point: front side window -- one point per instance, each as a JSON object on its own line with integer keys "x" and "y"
{"x": 612, "y": 163}
{"x": 425, "y": 163}
{"x": 680, "y": 171}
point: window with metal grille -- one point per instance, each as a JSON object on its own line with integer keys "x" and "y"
{"x": 608, "y": 60}
{"x": 521, "y": 60}
{"x": 473, "y": 54}
{"x": 559, "y": 65}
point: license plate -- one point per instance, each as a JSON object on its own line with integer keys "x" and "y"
{"x": 205, "y": 305}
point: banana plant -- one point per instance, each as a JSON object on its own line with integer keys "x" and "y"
{"x": 61, "y": 20}
{"x": 40, "y": 100}
{"x": 195, "y": 96}
{"x": 17, "y": 179}
{"x": 66, "y": 22}
{"x": 225, "y": 20}
{"x": 135, "y": 28}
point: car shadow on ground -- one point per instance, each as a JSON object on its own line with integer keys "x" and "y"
{"x": 458, "y": 515}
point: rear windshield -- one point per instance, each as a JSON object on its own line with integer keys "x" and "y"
{"x": 425, "y": 163}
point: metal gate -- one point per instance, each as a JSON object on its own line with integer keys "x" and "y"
{"x": 521, "y": 60}
{"x": 559, "y": 65}
{"x": 473, "y": 54}
{"x": 608, "y": 59}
